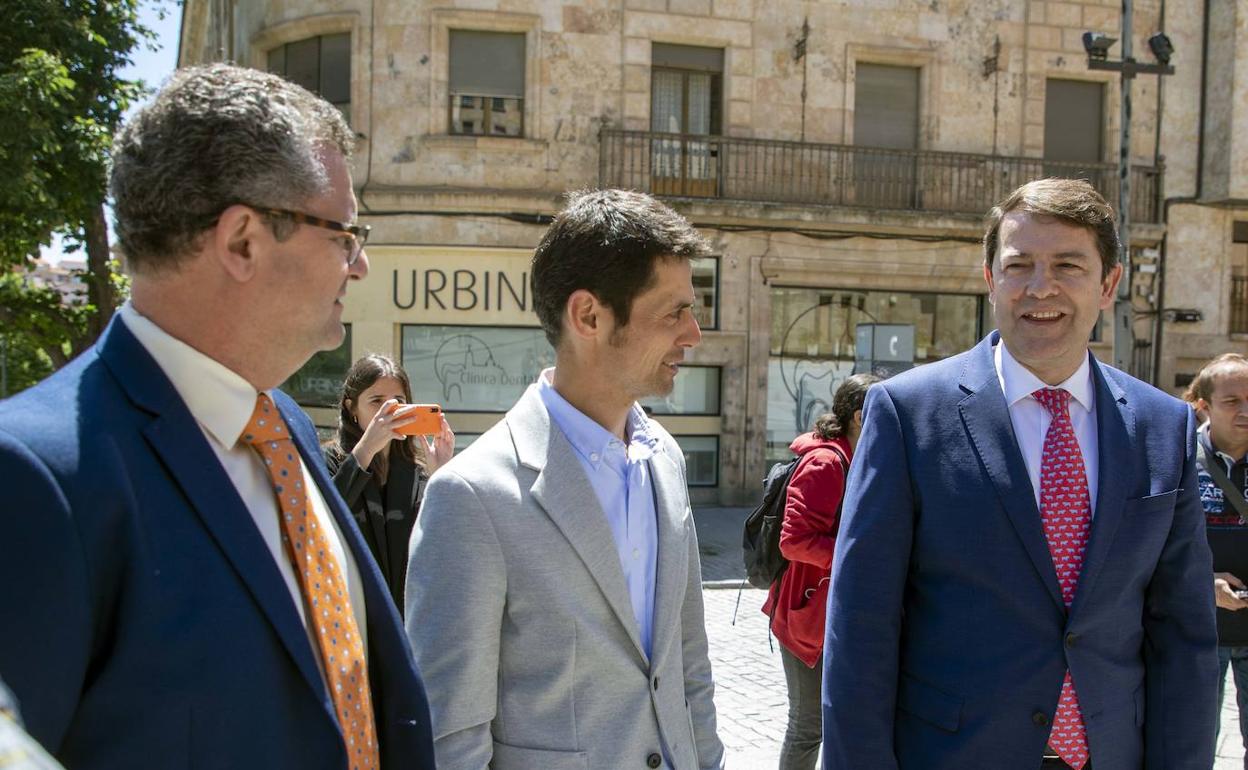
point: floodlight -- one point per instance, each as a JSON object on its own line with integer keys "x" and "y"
{"x": 1162, "y": 47}
{"x": 1097, "y": 44}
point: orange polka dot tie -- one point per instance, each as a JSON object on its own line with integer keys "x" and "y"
{"x": 1066, "y": 511}
{"x": 325, "y": 597}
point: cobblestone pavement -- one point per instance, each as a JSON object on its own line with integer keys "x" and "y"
{"x": 749, "y": 682}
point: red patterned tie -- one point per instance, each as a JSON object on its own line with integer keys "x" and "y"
{"x": 1066, "y": 511}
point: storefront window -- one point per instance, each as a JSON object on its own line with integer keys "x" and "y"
{"x": 701, "y": 459}
{"x": 812, "y": 345}
{"x": 319, "y": 381}
{"x": 696, "y": 392}
{"x": 473, "y": 368}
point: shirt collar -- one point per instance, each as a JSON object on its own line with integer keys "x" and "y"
{"x": 217, "y": 397}
{"x": 592, "y": 441}
{"x": 1017, "y": 382}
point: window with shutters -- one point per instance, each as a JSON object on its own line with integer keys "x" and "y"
{"x": 686, "y": 101}
{"x": 321, "y": 64}
{"x": 487, "y": 83}
{"x": 1074, "y": 130}
{"x": 886, "y": 119}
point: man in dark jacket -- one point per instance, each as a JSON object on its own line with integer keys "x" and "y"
{"x": 1220, "y": 391}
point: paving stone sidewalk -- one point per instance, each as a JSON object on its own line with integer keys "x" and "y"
{"x": 749, "y": 682}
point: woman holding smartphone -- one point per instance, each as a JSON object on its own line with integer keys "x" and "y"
{"x": 379, "y": 470}
{"x": 797, "y": 603}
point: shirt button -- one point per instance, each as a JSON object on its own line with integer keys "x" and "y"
{"x": 636, "y": 554}
{"x": 593, "y": 458}
{"x": 654, "y": 760}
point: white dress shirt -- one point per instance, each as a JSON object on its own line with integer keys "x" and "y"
{"x": 620, "y": 476}
{"x": 1031, "y": 420}
{"x": 221, "y": 402}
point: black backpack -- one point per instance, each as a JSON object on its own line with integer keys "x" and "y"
{"x": 761, "y": 539}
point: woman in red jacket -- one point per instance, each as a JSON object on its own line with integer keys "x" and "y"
{"x": 798, "y": 602}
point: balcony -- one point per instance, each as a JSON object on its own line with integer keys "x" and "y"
{"x": 770, "y": 171}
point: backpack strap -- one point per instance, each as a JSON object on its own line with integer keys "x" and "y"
{"x": 1229, "y": 493}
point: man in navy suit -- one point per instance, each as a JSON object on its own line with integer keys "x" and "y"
{"x": 152, "y": 613}
{"x": 1021, "y": 578}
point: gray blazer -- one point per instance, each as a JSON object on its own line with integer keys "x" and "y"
{"x": 520, "y": 619}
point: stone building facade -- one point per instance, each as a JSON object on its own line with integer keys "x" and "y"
{"x": 839, "y": 157}
{"x": 1205, "y": 141}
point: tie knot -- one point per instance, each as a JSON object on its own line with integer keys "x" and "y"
{"x": 1056, "y": 400}
{"x": 266, "y": 423}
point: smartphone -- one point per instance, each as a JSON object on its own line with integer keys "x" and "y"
{"x": 428, "y": 420}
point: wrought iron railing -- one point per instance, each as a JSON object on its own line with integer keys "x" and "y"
{"x": 763, "y": 170}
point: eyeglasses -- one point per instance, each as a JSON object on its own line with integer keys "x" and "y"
{"x": 358, "y": 233}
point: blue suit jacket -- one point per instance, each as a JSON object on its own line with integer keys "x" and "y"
{"x": 947, "y": 638}
{"x": 145, "y": 623}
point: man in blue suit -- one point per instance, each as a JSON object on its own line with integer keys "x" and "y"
{"x": 153, "y": 614}
{"x": 1021, "y": 578}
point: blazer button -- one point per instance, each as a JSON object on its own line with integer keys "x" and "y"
{"x": 656, "y": 683}
{"x": 1040, "y": 718}
{"x": 1070, "y": 639}
{"x": 654, "y": 760}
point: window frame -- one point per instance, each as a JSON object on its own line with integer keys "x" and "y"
{"x": 719, "y": 395}
{"x": 442, "y": 22}
{"x": 719, "y": 458}
{"x": 489, "y": 103}
{"x": 269, "y": 38}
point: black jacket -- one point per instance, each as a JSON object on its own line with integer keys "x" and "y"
{"x": 385, "y": 514}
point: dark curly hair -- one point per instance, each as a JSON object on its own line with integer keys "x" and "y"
{"x": 849, "y": 398}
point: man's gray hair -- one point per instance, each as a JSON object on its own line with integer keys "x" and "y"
{"x": 213, "y": 137}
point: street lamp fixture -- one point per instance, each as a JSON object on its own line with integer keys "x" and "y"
{"x": 1097, "y": 44}
{"x": 1161, "y": 47}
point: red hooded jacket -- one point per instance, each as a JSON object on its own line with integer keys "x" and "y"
{"x": 807, "y": 540}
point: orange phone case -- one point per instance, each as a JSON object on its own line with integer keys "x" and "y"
{"x": 428, "y": 420}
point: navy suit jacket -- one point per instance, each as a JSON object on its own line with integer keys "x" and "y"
{"x": 145, "y": 623}
{"x": 947, "y": 639}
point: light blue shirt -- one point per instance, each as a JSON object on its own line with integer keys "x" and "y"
{"x": 620, "y": 477}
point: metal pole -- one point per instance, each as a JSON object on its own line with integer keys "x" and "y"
{"x": 1124, "y": 331}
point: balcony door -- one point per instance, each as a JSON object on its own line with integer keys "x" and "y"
{"x": 886, "y": 126}
{"x": 686, "y": 84}
{"x": 1074, "y": 127}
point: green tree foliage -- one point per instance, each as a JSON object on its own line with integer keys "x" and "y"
{"x": 62, "y": 99}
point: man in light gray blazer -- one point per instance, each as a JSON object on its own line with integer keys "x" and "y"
{"x": 554, "y": 597}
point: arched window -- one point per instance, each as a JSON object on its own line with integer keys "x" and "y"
{"x": 320, "y": 64}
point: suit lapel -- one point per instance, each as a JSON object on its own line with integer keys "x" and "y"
{"x": 563, "y": 491}
{"x": 672, "y": 573}
{"x": 178, "y": 441}
{"x": 1115, "y": 430}
{"x": 987, "y": 420}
